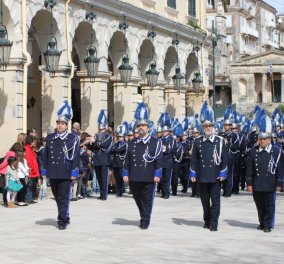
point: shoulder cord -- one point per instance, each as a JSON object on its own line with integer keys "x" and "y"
{"x": 122, "y": 157}
{"x": 148, "y": 158}
{"x": 110, "y": 146}
{"x": 181, "y": 155}
{"x": 73, "y": 148}
{"x": 272, "y": 165}
{"x": 216, "y": 156}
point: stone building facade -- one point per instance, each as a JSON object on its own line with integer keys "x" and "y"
{"x": 29, "y": 95}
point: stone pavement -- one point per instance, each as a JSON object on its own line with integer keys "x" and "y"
{"x": 107, "y": 232}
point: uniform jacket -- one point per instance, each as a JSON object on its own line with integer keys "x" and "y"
{"x": 143, "y": 159}
{"x": 252, "y": 139}
{"x": 61, "y": 159}
{"x": 187, "y": 146}
{"x": 262, "y": 172}
{"x": 169, "y": 150}
{"x": 209, "y": 159}
{"x": 101, "y": 148}
{"x": 31, "y": 157}
{"x": 119, "y": 153}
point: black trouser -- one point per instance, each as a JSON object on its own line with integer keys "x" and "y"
{"x": 166, "y": 181}
{"x": 85, "y": 179}
{"x": 183, "y": 174}
{"x": 228, "y": 183}
{"x": 21, "y": 195}
{"x": 195, "y": 189}
{"x": 237, "y": 173}
{"x": 117, "y": 171}
{"x": 61, "y": 189}
{"x": 143, "y": 194}
{"x": 175, "y": 178}
{"x": 211, "y": 212}
{"x": 265, "y": 204}
{"x": 4, "y": 190}
{"x": 102, "y": 176}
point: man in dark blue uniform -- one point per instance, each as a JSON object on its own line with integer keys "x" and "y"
{"x": 101, "y": 146}
{"x": 209, "y": 166}
{"x": 61, "y": 163}
{"x": 169, "y": 150}
{"x": 262, "y": 175}
{"x": 119, "y": 153}
{"x": 142, "y": 167}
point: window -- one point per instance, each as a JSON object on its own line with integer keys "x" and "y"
{"x": 192, "y": 7}
{"x": 172, "y": 4}
{"x": 211, "y": 2}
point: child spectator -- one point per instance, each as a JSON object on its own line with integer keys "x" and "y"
{"x": 23, "y": 173}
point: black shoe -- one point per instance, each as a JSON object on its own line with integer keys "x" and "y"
{"x": 61, "y": 227}
{"x": 143, "y": 226}
{"x": 228, "y": 195}
{"x": 166, "y": 197}
{"x": 174, "y": 194}
{"x": 74, "y": 199}
{"x": 260, "y": 227}
{"x": 213, "y": 228}
{"x": 267, "y": 230}
{"x": 206, "y": 226}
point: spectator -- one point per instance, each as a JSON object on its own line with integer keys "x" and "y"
{"x": 21, "y": 138}
{"x": 4, "y": 165}
{"x": 32, "y": 132}
{"x": 13, "y": 184}
{"x": 76, "y": 129}
{"x": 31, "y": 158}
{"x": 23, "y": 173}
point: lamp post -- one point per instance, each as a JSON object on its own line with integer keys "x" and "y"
{"x": 52, "y": 54}
{"x": 91, "y": 61}
{"x": 152, "y": 74}
{"x": 5, "y": 44}
{"x": 197, "y": 81}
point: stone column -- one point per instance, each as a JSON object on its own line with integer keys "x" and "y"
{"x": 264, "y": 88}
{"x": 154, "y": 98}
{"x": 175, "y": 103}
{"x": 125, "y": 102}
{"x": 54, "y": 92}
{"x": 193, "y": 102}
{"x": 282, "y": 87}
{"x": 93, "y": 100}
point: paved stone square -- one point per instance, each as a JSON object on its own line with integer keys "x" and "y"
{"x": 107, "y": 232}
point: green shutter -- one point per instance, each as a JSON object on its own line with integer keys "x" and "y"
{"x": 192, "y": 7}
{"x": 172, "y": 4}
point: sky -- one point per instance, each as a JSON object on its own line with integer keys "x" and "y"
{"x": 278, "y": 4}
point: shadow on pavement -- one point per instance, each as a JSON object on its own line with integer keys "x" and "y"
{"x": 180, "y": 221}
{"x": 47, "y": 222}
{"x": 123, "y": 221}
{"x": 241, "y": 224}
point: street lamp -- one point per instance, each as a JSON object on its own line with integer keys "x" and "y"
{"x": 5, "y": 44}
{"x": 52, "y": 54}
{"x": 125, "y": 69}
{"x": 178, "y": 78}
{"x": 197, "y": 82}
{"x": 152, "y": 75}
{"x": 91, "y": 61}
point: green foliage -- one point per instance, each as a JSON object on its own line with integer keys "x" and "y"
{"x": 193, "y": 24}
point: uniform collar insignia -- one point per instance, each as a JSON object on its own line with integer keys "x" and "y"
{"x": 144, "y": 139}
{"x": 267, "y": 149}
{"x": 211, "y": 138}
{"x": 61, "y": 136}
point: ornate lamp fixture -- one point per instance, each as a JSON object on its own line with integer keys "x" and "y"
{"x": 197, "y": 81}
{"x": 51, "y": 55}
{"x": 152, "y": 74}
{"x": 5, "y": 44}
{"x": 125, "y": 68}
{"x": 91, "y": 61}
{"x": 178, "y": 78}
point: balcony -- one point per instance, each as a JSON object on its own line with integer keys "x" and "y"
{"x": 249, "y": 32}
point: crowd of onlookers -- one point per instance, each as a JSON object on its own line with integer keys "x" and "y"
{"x": 21, "y": 181}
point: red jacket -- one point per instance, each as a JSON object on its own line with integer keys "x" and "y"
{"x": 4, "y": 164}
{"x": 31, "y": 158}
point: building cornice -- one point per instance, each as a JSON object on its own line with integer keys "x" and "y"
{"x": 144, "y": 17}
